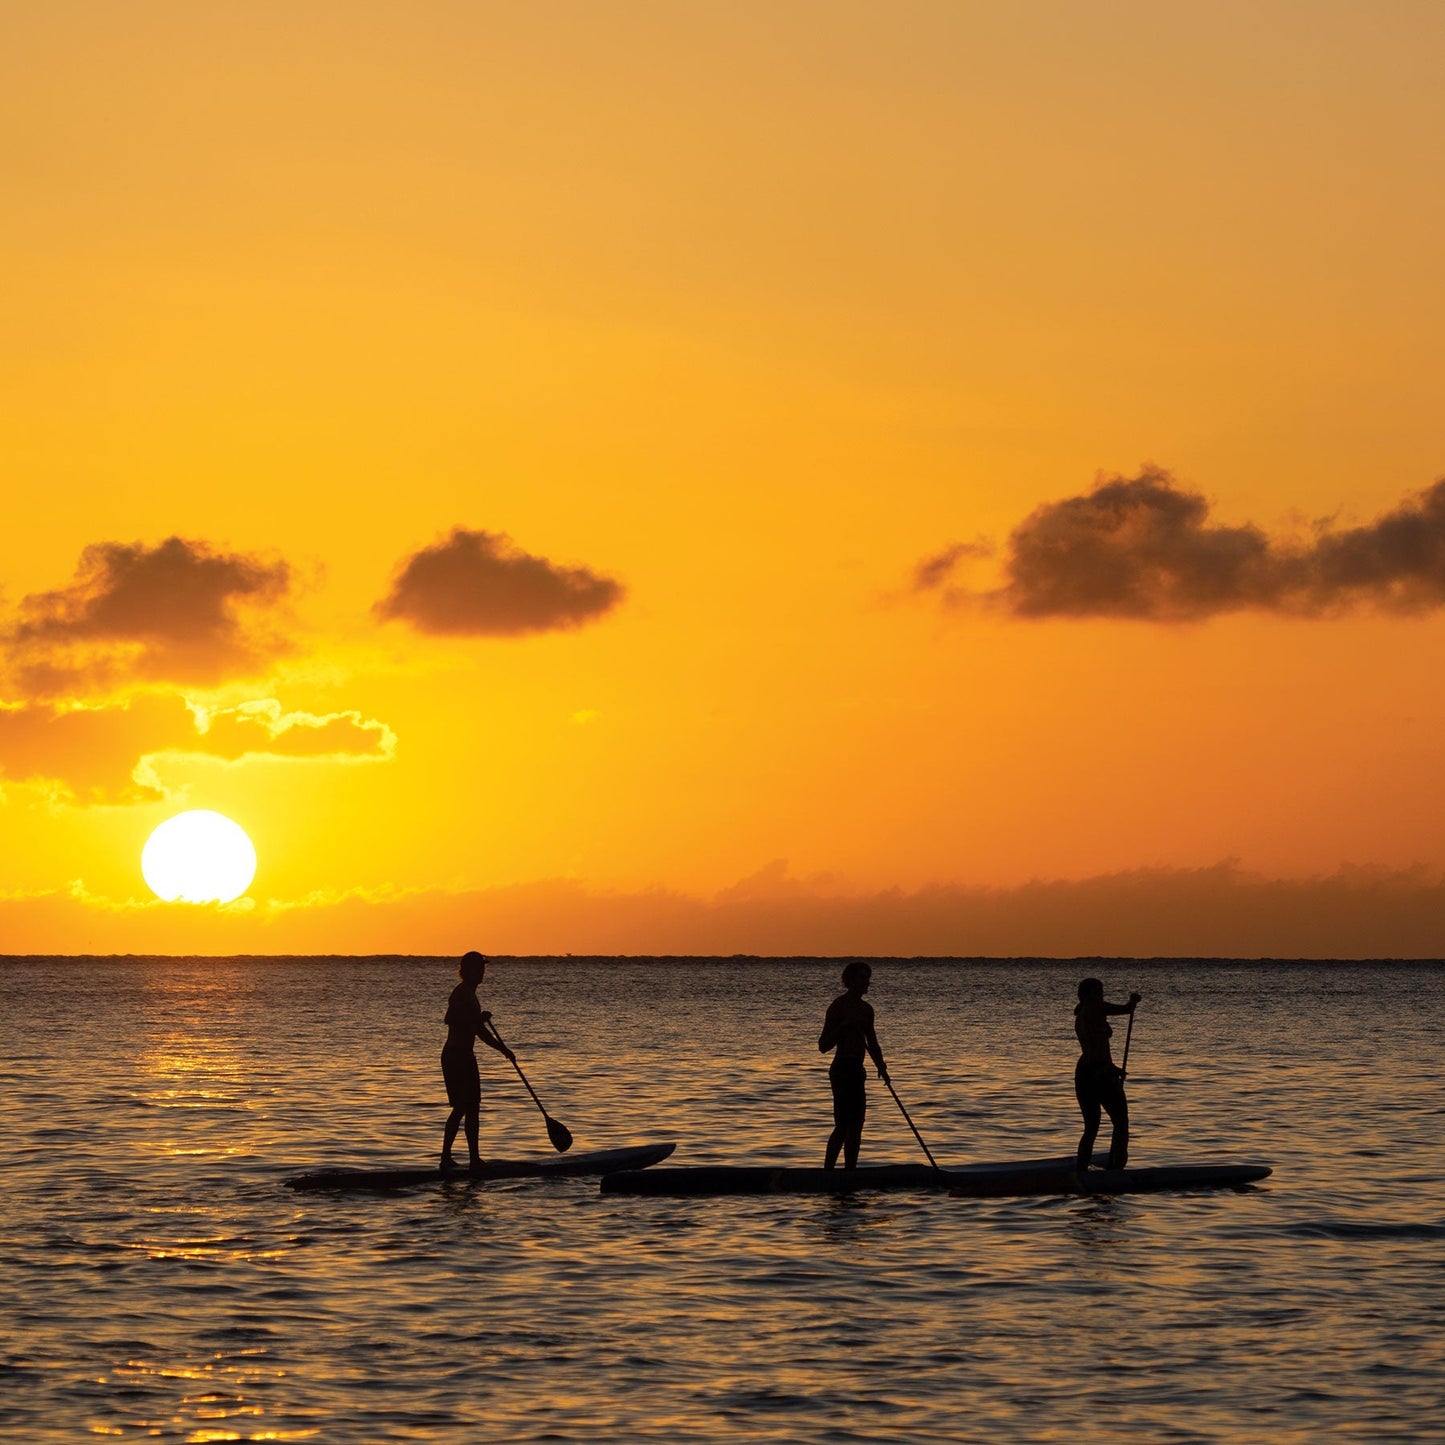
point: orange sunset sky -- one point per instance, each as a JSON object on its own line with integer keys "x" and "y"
{"x": 765, "y": 477}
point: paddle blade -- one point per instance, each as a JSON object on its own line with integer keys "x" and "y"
{"x": 559, "y": 1134}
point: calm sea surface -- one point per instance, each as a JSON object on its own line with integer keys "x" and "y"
{"x": 160, "y": 1281}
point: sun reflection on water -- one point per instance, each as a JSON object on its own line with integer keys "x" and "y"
{"x": 133, "y": 1382}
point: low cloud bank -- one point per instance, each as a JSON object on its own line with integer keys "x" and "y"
{"x": 480, "y": 584}
{"x": 1144, "y": 548}
{"x": 1218, "y": 912}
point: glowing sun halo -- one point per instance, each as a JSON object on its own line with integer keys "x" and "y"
{"x": 198, "y": 857}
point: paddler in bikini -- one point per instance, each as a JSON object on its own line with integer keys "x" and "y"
{"x": 466, "y": 1020}
{"x": 848, "y": 1029}
{"x": 1098, "y": 1084}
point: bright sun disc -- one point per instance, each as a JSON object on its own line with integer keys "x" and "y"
{"x": 198, "y": 857}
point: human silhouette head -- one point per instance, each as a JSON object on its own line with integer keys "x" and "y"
{"x": 1091, "y": 990}
{"x": 472, "y": 967}
{"x": 856, "y": 976}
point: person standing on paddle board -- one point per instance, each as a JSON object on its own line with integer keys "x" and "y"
{"x": 1098, "y": 1084}
{"x": 848, "y": 1029}
{"x": 466, "y": 1020}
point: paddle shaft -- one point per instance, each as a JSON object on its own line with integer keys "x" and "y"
{"x": 912, "y": 1125}
{"x": 520, "y": 1074}
{"x": 526, "y": 1085}
{"x": 1128, "y": 1034}
{"x": 555, "y": 1131}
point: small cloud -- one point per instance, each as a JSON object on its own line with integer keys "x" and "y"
{"x": 179, "y": 612}
{"x": 480, "y": 584}
{"x": 262, "y": 729}
{"x": 1145, "y": 548}
{"x": 1136, "y": 547}
{"x": 585, "y": 715}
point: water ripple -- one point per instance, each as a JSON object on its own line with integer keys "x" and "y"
{"x": 160, "y": 1280}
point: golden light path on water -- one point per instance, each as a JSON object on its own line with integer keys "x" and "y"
{"x": 162, "y": 1281}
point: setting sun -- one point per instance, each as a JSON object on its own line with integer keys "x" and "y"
{"x": 198, "y": 857}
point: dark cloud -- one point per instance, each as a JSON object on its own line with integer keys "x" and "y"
{"x": 1397, "y": 560}
{"x": 1145, "y": 548}
{"x": 1136, "y": 547}
{"x": 479, "y": 584}
{"x": 113, "y": 755}
{"x": 178, "y": 612}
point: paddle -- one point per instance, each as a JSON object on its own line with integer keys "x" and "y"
{"x": 559, "y": 1134}
{"x": 1128, "y": 1034}
{"x": 914, "y": 1127}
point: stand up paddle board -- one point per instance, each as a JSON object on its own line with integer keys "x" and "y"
{"x": 1111, "y": 1181}
{"x": 599, "y": 1161}
{"x": 1010, "y": 1177}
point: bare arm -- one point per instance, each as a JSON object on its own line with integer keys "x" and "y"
{"x": 491, "y": 1040}
{"x": 828, "y": 1039}
{"x": 874, "y": 1051}
{"x": 1123, "y": 1008}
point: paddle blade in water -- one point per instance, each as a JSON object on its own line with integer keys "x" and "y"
{"x": 559, "y": 1134}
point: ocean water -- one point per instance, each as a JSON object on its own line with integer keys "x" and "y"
{"x": 160, "y": 1281}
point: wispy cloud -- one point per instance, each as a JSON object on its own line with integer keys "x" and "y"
{"x": 937, "y": 571}
{"x": 115, "y": 754}
{"x": 1146, "y": 548}
{"x": 264, "y": 728}
{"x": 480, "y": 584}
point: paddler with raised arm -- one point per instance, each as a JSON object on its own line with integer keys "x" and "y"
{"x": 848, "y": 1030}
{"x": 466, "y": 1020}
{"x": 1098, "y": 1084}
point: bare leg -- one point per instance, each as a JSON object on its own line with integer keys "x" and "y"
{"x": 1117, "y": 1107}
{"x": 473, "y": 1122}
{"x": 849, "y": 1106}
{"x": 449, "y": 1136}
{"x": 1090, "y": 1111}
{"x": 854, "y": 1138}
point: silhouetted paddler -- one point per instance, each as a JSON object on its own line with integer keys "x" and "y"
{"x": 848, "y": 1029}
{"x": 1098, "y": 1084}
{"x": 466, "y": 1020}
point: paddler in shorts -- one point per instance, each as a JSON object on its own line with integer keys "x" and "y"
{"x": 1098, "y": 1084}
{"x": 848, "y": 1029}
{"x": 466, "y": 1020}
